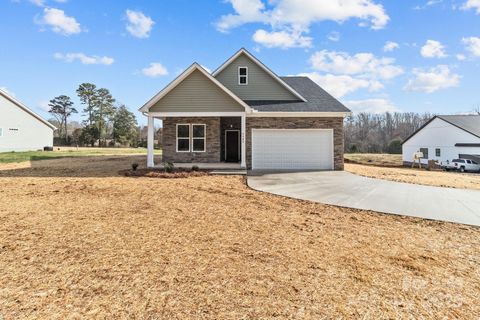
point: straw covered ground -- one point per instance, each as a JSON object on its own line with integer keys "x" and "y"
{"x": 418, "y": 176}
{"x": 77, "y": 240}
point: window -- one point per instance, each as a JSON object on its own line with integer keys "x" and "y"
{"x": 425, "y": 152}
{"x": 183, "y": 138}
{"x": 437, "y": 152}
{"x": 1, "y": 132}
{"x": 198, "y": 137}
{"x": 242, "y": 75}
{"x": 191, "y": 137}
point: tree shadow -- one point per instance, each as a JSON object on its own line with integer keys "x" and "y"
{"x": 85, "y": 166}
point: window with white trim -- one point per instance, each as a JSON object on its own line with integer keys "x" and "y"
{"x": 183, "y": 138}
{"x": 242, "y": 75}
{"x": 198, "y": 137}
{"x": 1, "y": 132}
{"x": 191, "y": 137}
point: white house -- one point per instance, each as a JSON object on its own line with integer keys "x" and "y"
{"x": 20, "y": 128}
{"x": 445, "y": 138}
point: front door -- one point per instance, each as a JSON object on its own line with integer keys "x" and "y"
{"x": 232, "y": 145}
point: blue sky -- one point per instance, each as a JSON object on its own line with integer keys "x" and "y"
{"x": 421, "y": 56}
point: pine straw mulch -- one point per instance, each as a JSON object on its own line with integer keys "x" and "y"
{"x": 161, "y": 173}
{"x": 113, "y": 247}
{"x": 418, "y": 176}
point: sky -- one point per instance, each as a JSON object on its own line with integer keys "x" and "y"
{"x": 375, "y": 56}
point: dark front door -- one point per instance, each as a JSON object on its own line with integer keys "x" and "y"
{"x": 232, "y": 139}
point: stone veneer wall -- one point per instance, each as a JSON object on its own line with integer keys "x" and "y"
{"x": 299, "y": 123}
{"x": 212, "y": 141}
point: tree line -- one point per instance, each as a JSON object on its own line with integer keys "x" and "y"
{"x": 106, "y": 123}
{"x": 381, "y": 133}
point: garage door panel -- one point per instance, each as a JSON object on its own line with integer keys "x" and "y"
{"x": 292, "y": 149}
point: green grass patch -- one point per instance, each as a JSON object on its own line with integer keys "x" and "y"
{"x": 13, "y": 157}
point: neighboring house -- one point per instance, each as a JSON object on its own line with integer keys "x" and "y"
{"x": 245, "y": 113}
{"x": 20, "y": 128}
{"x": 445, "y": 138}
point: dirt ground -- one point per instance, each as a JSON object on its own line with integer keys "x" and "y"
{"x": 79, "y": 241}
{"x": 418, "y": 176}
{"x": 389, "y": 167}
{"x": 378, "y": 159}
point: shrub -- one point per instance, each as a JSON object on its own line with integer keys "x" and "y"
{"x": 195, "y": 168}
{"x": 134, "y": 166}
{"x": 168, "y": 166}
{"x": 395, "y": 146}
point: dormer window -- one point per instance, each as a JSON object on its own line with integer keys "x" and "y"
{"x": 242, "y": 76}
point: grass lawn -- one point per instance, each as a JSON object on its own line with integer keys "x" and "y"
{"x": 378, "y": 159}
{"x": 62, "y": 152}
{"x": 79, "y": 241}
{"x": 389, "y": 167}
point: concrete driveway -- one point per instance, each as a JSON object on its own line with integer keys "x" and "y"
{"x": 348, "y": 190}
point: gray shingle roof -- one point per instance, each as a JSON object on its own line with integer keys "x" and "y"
{"x": 469, "y": 123}
{"x": 318, "y": 100}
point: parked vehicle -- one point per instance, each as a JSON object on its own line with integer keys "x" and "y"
{"x": 461, "y": 165}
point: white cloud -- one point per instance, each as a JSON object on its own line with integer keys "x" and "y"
{"x": 294, "y": 17}
{"x": 300, "y": 14}
{"x": 334, "y": 36}
{"x": 433, "y": 79}
{"x": 371, "y": 106}
{"x": 472, "y": 4}
{"x": 281, "y": 39}
{"x": 155, "y": 70}
{"x": 41, "y": 3}
{"x": 433, "y": 49}
{"x": 346, "y": 73}
{"x": 460, "y": 57}
{"x": 139, "y": 25}
{"x": 473, "y": 45}
{"x": 340, "y": 85}
{"x": 59, "y": 22}
{"x": 5, "y": 89}
{"x": 206, "y": 68}
{"x": 361, "y": 63}
{"x": 428, "y": 4}
{"x": 247, "y": 11}
{"x": 390, "y": 46}
{"x": 43, "y": 105}
{"x": 83, "y": 58}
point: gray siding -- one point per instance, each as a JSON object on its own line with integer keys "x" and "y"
{"x": 261, "y": 86}
{"x": 197, "y": 93}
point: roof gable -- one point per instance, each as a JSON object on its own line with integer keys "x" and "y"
{"x": 467, "y": 123}
{"x": 26, "y": 109}
{"x": 214, "y": 87}
{"x": 267, "y": 82}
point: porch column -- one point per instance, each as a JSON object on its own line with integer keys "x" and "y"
{"x": 243, "y": 130}
{"x": 150, "y": 141}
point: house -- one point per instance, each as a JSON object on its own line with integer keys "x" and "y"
{"x": 445, "y": 138}
{"x": 244, "y": 113}
{"x": 21, "y": 129}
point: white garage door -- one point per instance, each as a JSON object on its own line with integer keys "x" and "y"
{"x": 292, "y": 149}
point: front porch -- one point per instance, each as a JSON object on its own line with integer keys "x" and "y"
{"x": 213, "y": 141}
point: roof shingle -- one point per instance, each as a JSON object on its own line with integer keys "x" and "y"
{"x": 318, "y": 100}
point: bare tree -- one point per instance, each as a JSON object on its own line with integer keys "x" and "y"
{"x": 374, "y": 133}
{"x": 476, "y": 109}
